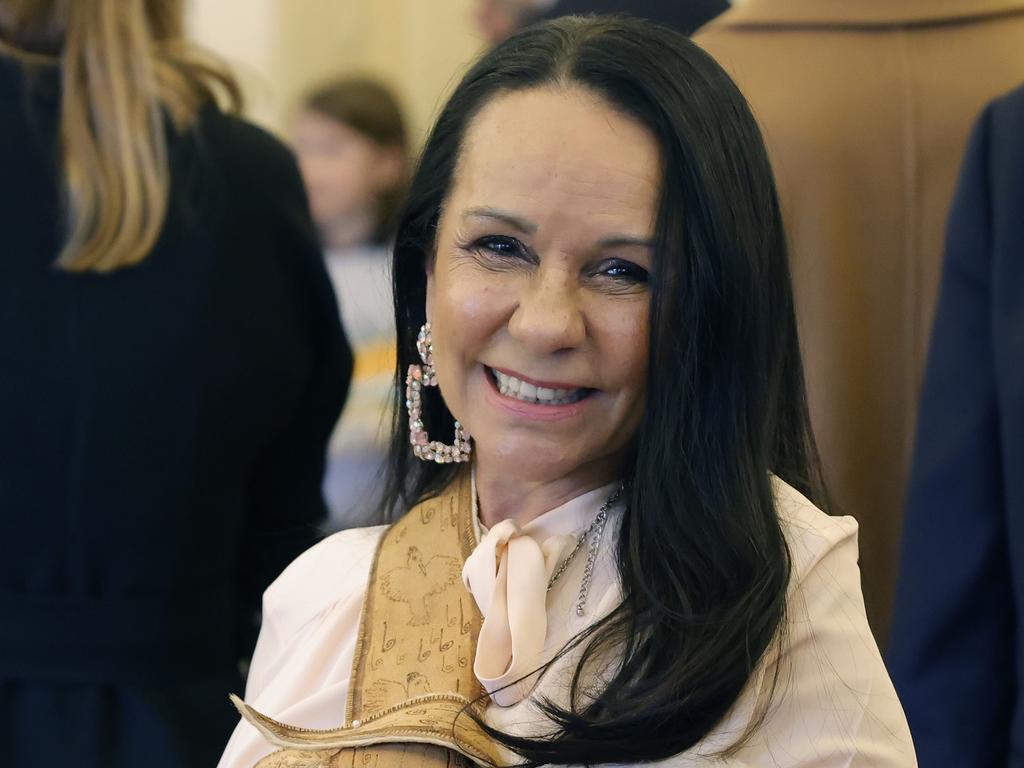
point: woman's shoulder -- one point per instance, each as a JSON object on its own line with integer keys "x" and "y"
{"x": 325, "y": 574}
{"x": 240, "y": 140}
{"x": 245, "y": 183}
{"x": 258, "y": 169}
{"x": 811, "y": 533}
{"x": 827, "y": 654}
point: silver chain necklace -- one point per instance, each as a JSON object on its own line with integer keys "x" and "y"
{"x": 593, "y": 532}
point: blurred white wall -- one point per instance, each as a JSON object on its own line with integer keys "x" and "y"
{"x": 280, "y": 48}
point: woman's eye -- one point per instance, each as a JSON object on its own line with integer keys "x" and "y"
{"x": 500, "y": 245}
{"x": 625, "y": 271}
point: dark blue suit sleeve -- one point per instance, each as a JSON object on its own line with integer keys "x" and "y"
{"x": 951, "y": 652}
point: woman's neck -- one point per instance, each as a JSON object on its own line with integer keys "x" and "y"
{"x": 505, "y": 496}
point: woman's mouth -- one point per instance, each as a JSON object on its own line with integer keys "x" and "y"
{"x": 527, "y": 392}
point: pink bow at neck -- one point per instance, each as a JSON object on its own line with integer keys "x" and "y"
{"x": 508, "y": 575}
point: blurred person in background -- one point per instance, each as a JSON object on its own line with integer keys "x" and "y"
{"x": 498, "y": 19}
{"x": 866, "y": 106}
{"x": 957, "y": 654}
{"x": 350, "y": 139}
{"x": 684, "y": 16}
{"x": 171, "y": 366}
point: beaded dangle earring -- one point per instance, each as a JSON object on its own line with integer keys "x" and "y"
{"x": 420, "y": 376}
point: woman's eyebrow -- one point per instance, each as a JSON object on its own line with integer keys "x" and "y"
{"x": 495, "y": 214}
{"x": 625, "y": 241}
{"x": 529, "y": 228}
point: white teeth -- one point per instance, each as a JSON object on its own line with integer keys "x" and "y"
{"x": 510, "y": 386}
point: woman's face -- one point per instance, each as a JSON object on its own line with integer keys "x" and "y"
{"x": 344, "y": 171}
{"x": 538, "y": 294}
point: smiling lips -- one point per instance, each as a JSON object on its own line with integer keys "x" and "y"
{"x": 517, "y": 389}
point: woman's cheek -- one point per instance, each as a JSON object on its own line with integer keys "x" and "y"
{"x": 479, "y": 306}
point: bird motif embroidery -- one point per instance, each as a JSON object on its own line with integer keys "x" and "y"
{"x": 413, "y": 583}
{"x": 386, "y": 693}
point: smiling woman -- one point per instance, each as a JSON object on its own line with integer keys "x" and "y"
{"x": 538, "y": 287}
{"x": 591, "y": 271}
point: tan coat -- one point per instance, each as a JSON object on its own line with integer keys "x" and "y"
{"x": 866, "y": 106}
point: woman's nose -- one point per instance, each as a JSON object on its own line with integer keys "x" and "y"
{"x": 548, "y": 317}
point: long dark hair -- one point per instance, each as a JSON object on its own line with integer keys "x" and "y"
{"x": 701, "y": 556}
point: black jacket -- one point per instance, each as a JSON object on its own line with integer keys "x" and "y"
{"x": 957, "y": 653}
{"x": 162, "y": 427}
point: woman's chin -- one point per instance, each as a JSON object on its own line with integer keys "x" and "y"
{"x": 529, "y": 460}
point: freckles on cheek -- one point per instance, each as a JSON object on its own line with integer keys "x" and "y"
{"x": 626, "y": 327}
{"x": 473, "y": 302}
{"x": 628, "y": 342}
{"x": 466, "y": 311}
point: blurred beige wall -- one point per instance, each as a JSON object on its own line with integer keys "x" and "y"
{"x": 280, "y": 48}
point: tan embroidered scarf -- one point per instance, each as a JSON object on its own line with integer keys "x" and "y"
{"x": 412, "y": 676}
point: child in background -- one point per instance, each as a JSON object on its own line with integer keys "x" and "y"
{"x": 350, "y": 140}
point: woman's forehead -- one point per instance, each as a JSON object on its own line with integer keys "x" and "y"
{"x": 533, "y": 149}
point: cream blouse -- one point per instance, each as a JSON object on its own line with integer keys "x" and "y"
{"x": 834, "y": 705}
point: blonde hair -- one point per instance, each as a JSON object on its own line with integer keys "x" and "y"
{"x": 126, "y": 70}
